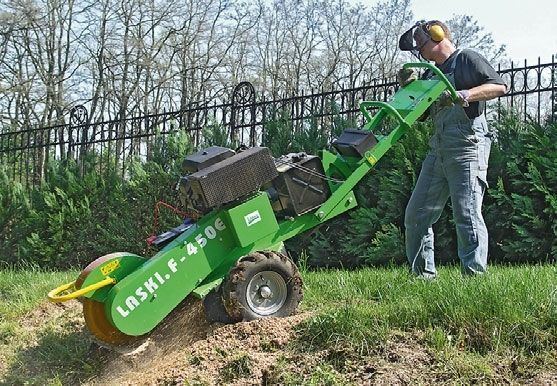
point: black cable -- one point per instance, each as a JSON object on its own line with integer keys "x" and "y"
{"x": 307, "y": 170}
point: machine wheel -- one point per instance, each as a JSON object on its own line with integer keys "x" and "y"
{"x": 94, "y": 312}
{"x": 213, "y": 306}
{"x": 262, "y": 284}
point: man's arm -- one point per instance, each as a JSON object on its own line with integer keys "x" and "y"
{"x": 486, "y": 92}
{"x": 476, "y": 75}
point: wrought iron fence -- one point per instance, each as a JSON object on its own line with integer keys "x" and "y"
{"x": 27, "y": 152}
{"x": 532, "y": 90}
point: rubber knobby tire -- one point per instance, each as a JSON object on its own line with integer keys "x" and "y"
{"x": 213, "y": 307}
{"x": 235, "y": 289}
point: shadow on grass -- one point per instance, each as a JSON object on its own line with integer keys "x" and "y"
{"x": 62, "y": 351}
{"x": 58, "y": 357}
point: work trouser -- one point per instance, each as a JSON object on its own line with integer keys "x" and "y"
{"x": 455, "y": 167}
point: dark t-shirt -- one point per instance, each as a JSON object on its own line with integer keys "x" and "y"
{"x": 471, "y": 70}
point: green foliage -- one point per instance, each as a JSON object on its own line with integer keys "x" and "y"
{"x": 278, "y": 134}
{"x": 310, "y": 135}
{"x": 387, "y": 246}
{"x": 521, "y": 210}
{"x": 14, "y": 205}
{"x": 325, "y": 246}
{"x": 74, "y": 217}
{"x": 168, "y": 151}
{"x": 215, "y": 134}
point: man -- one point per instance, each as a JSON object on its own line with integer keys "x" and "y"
{"x": 456, "y": 165}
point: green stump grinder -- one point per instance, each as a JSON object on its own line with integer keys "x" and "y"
{"x": 232, "y": 256}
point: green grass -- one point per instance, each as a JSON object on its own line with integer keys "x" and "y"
{"x": 37, "y": 346}
{"x": 508, "y": 308}
{"x": 470, "y": 325}
{"x": 22, "y": 290}
{"x": 324, "y": 374}
{"x": 240, "y": 366}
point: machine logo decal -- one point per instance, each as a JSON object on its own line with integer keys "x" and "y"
{"x": 252, "y": 218}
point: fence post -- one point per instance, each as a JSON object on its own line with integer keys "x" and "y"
{"x": 243, "y": 97}
{"x": 78, "y": 119}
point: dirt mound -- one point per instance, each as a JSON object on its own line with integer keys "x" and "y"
{"x": 128, "y": 364}
{"x": 185, "y": 347}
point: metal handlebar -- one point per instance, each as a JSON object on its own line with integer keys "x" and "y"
{"x": 437, "y": 72}
{"x": 55, "y": 297}
{"x": 365, "y": 104}
{"x": 394, "y": 112}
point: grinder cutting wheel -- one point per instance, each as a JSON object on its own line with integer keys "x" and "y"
{"x": 93, "y": 310}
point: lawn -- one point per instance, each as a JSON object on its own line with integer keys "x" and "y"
{"x": 470, "y": 325}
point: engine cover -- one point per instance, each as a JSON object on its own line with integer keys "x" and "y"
{"x": 205, "y": 158}
{"x": 228, "y": 180}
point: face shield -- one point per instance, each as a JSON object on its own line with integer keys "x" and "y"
{"x": 414, "y": 38}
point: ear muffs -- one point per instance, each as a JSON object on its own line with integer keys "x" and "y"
{"x": 436, "y": 32}
{"x": 421, "y": 32}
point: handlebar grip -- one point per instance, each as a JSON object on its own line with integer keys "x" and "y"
{"x": 437, "y": 72}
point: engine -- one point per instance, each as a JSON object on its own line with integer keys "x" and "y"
{"x": 215, "y": 176}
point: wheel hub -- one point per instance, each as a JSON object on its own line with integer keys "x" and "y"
{"x": 266, "y": 293}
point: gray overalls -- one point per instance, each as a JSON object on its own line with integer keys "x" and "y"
{"x": 455, "y": 167}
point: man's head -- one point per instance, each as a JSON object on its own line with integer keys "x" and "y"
{"x": 430, "y": 39}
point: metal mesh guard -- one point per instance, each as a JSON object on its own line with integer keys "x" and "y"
{"x": 235, "y": 177}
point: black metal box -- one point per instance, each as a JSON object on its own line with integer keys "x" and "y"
{"x": 166, "y": 237}
{"x": 205, "y": 158}
{"x": 228, "y": 180}
{"x": 354, "y": 142}
{"x": 300, "y": 186}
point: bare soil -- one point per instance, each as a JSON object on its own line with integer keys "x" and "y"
{"x": 186, "y": 348}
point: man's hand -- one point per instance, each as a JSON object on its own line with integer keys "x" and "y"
{"x": 405, "y": 76}
{"x": 461, "y": 98}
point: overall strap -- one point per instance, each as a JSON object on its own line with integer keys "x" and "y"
{"x": 453, "y": 63}
{"x": 430, "y": 75}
